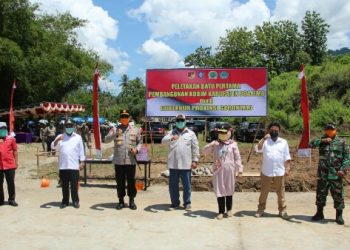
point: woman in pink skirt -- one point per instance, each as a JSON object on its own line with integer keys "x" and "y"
{"x": 227, "y": 163}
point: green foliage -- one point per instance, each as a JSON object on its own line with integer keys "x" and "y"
{"x": 237, "y": 49}
{"x": 315, "y": 31}
{"x": 42, "y": 53}
{"x": 200, "y": 58}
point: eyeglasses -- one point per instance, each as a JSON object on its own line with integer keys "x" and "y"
{"x": 124, "y": 116}
{"x": 180, "y": 120}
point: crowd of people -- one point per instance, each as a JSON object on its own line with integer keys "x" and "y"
{"x": 184, "y": 153}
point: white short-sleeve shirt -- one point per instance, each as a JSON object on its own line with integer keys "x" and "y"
{"x": 275, "y": 154}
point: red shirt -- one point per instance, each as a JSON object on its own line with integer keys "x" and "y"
{"x": 7, "y": 159}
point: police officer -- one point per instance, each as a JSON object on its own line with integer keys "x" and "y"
{"x": 127, "y": 143}
{"x": 334, "y": 161}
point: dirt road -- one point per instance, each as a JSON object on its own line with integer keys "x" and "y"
{"x": 39, "y": 223}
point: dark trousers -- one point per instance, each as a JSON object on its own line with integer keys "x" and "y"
{"x": 221, "y": 203}
{"x": 49, "y": 140}
{"x": 69, "y": 178}
{"x": 10, "y": 179}
{"x": 122, "y": 173}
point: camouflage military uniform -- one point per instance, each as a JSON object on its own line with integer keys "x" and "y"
{"x": 334, "y": 157}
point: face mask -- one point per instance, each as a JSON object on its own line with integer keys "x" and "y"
{"x": 180, "y": 125}
{"x": 69, "y": 131}
{"x": 331, "y": 133}
{"x": 224, "y": 137}
{"x": 3, "y": 133}
{"x": 274, "y": 134}
{"x": 124, "y": 121}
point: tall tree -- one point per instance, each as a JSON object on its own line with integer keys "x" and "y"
{"x": 201, "y": 58}
{"x": 237, "y": 49}
{"x": 315, "y": 31}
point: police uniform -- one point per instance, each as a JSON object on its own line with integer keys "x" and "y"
{"x": 333, "y": 157}
{"x": 125, "y": 138}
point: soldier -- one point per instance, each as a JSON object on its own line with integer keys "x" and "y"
{"x": 333, "y": 163}
{"x": 127, "y": 143}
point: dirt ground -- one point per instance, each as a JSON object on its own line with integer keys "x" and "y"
{"x": 38, "y": 223}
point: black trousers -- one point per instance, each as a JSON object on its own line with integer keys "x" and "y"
{"x": 10, "y": 179}
{"x": 69, "y": 179}
{"x": 49, "y": 140}
{"x": 125, "y": 173}
{"x": 221, "y": 203}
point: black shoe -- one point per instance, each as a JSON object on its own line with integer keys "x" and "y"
{"x": 132, "y": 204}
{"x": 63, "y": 205}
{"x": 120, "y": 205}
{"x": 2, "y": 203}
{"x": 76, "y": 204}
{"x": 319, "y": 214}
{"x": 339, "y": 217}
{"x": 13, "y": 203}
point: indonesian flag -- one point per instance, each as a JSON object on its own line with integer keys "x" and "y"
{"x": 96, "y": 122}
{"x": 304, "y": 150}
{"x": 12, "y": 115}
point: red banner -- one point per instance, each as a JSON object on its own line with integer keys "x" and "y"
{"x": 207, "y": 92}
{"x": 96, "y": 124}
{"x": 304, "y": 150}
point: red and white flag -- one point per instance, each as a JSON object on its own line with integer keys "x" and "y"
{"x": 96, "y": 118}
{"x": 12, "y": 115}
{"x": 304, "y": 150}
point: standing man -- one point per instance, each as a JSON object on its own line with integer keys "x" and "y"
{"x": 334, "y": 162}
{"x": 275, "y": 165}
{"x": 50, "y": 133}
{"x": 71, "y": 148}
{"x": 127, "y": 143}
{"x": 8, "y": 164}
{"x": 183, "y": 155}
{"x": 85, "y": 134}
{"x": 42, "y": 135}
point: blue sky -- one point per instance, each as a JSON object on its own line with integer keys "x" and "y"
{"x": 134, "y": 35}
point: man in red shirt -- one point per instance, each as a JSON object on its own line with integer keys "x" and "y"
{"x": 8, "y": 164}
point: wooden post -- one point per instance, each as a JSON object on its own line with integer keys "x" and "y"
{"x": 37, "y": 161}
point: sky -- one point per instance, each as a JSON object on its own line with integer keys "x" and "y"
{"x": 135, "y": 35}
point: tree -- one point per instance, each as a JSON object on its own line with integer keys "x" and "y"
{"x": 123, "y": 83}
{"x": 201, "y": 58}
{"x": 42, "y": 52}
{"x": 237, "y": 49}
{"x": 314, "y": 35}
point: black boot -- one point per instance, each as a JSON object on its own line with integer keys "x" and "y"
{"x": 319, "y": 215}
{"x": 132, "y": 204}
{"x": 339, "y": 217}
{"x": 121, "y": 204}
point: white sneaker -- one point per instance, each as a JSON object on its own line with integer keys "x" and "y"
{"x": 219, "y": 216}
{"x": 259, "y": 213}
{"x": 229, "y": 213}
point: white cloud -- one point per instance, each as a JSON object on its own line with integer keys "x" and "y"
{"x": 162, "y": 56}
{"x": 109, "y": 86}
{"x": 336, "y": 13}
{"x": 200, "y": 22}
{"x": 95, "y": 34}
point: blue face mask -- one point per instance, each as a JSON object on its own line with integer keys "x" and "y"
{"x": 3, "y": 133}
{"x": 180, "y": 125}
{"x": 69, "y": 131}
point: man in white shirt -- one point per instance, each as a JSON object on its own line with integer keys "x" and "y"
{"x": 71, "y": 148}
{"x": 183, "y": 155}
{"x": 275, "y": 165}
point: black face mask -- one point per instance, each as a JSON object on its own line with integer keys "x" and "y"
{"x": 274, "y": 134}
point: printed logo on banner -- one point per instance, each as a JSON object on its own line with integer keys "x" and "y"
{"x": 191, "y": 75}
{"x": 200, "y": 74}
{"x": 213, "y": 75}
{"x": 224, "y": 75}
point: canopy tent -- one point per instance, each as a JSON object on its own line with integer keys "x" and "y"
{"x": 46, "y": 109}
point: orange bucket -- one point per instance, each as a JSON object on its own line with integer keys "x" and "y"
{"x": 139, "y": 185}
{"x": 44, "y": 183}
